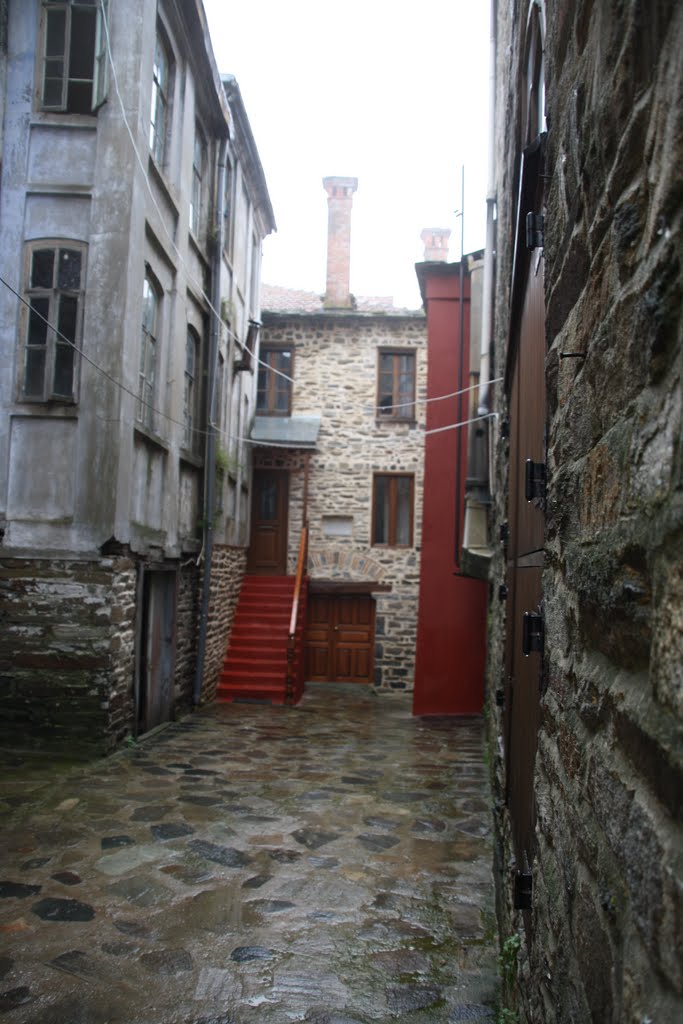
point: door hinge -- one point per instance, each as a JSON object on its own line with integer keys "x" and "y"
{"x": 523, "y": 890}
{"x": 532, "y": 633}
{"x": 502, "y": 592}
{"x": 535, "y": 230}
{"x": 504, "y": 533}
{"x": 534, "y": 480}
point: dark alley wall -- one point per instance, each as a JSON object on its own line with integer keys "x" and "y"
{"x": 603, "y": 940}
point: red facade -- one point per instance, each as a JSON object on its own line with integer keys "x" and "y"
{"x": 451, "y": 631}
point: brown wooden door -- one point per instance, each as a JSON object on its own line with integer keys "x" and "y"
{"x": 158, "y": 644}
{"x": 268, "y": 543}
{"x": 340, "y": 638}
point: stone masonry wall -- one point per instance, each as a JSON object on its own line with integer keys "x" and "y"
{"x": 335, "y": 373}
{"x": 67, "y": 653}
{"x": 607, "y": 920}
{"x": 187, "y": 621}
{"x": 227, "y": 570}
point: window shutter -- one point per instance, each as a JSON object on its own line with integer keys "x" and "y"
{"x": 100, "y": 85}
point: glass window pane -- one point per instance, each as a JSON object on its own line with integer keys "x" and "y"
{"x": 82, "y": 45}
{"x": 68, "y": 312}
{"x": 42, "y": 267}
{"x": 381, "y": 532}
{"x": 69, "y": 270}
{"x": 37, "y": 321}
{"x": 268, "y": 501}
{"x": 56, "y": 33}
{"x": 403, "y": 510}
{"x": 52, "y": 89}
{"x": 35, "y": 372}
{"x": 64, "y": 367}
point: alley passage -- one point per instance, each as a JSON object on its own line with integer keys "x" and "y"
{"x": 327, "y": 863}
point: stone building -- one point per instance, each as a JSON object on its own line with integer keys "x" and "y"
{"x": 338, "y": 447}
{"x": 586, "y": 537}
{"x": 132, "y": 210}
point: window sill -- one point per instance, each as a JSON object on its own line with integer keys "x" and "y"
{"x": 148, "y": 437}
{"x": 391, "y": 421}
{"x": 43, "y": 118}
{"x": 197, "y": 246}
{"x": 188, "y": 457}
{"x": 160, "y": 179}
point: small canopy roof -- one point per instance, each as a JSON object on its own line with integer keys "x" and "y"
{"x": 286, "y": 431}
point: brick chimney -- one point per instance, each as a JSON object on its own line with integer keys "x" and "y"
{"x": 339, "y": 200}
{"x": 436, "y": 244}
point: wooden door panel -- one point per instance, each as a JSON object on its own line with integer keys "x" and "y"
{"x": 340, "y": 638}
{"x": 268, "y": 541}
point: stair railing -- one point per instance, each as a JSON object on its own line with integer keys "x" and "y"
{"x": 295, "y": 676}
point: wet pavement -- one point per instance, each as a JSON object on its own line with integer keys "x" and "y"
{"x": 329, "y": 863}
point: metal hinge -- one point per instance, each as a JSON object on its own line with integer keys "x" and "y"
{"x": 532, "y": 633}
{"x": 504, "y": 533}
{"x": 502, "y": 592}
{"x": 534, "y": 480}
{"x": 535, "y": 230}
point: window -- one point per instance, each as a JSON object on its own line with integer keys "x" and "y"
{"x": 161, "y": 94}
{"x": 148, "y": 353}
{"x": 74, "y": 77}
{"x": 396, "y": 385}
{"x": 54, "y": 296}
{"x": 229, "y": 207}
{"x": 192, "y": 438}
{"x": 198, "y": 165}
{"x": 392, "y": 509}
{"x": 274, "y": 391}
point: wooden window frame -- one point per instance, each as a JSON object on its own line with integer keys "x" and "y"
{"x": 199, "y": 164}
{"x": 275, "y": 384}
{"x": 392, "y": 479}
{"x": 395, "y": 412}
{"x": 43, "y": 314}
{"x": 149, "y": 355}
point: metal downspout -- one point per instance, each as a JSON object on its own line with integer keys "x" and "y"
{"x": 210, "y": 449}
{"x": 487, "y": 283}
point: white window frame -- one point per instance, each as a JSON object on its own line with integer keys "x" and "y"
{"x": 100, "y": 65}
{"x": 161, "y": 104}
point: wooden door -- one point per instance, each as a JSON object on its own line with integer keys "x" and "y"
{"x": 157, "y": 662}
{"x": 340, "y": 638}
{"x": 526, "y": 522}
{"x": 268, "y": 543}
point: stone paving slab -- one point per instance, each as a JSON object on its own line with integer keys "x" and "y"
{"x": 329, "y": 863}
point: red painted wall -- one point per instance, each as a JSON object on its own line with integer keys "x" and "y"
{"x": 451, "y": 629}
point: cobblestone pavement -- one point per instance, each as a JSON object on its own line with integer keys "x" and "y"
{"x": 329, "y": 863}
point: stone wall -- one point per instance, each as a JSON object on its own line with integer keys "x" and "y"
{"x": 335, "y": 373}
{"x": 603, "y": 941}
{"x": 227, "y": 570}
{"x": 67, "y": 653}
{"x": 187, "y": 622}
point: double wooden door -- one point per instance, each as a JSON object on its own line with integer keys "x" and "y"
{"x": 340, "y": 638}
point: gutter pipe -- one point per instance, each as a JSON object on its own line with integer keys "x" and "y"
{"x": 210, "y": 449}
{"x": 487, "y": 283}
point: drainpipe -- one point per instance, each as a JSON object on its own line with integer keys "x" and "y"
{"x": 487, "y": 284}
{"x": 210, "y": 449}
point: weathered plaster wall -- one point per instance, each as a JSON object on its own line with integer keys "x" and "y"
{"x": 335, "y": 373}
{"x": 606, "y": 926}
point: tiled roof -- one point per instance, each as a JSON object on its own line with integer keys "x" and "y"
{"x": 275, "y": 299}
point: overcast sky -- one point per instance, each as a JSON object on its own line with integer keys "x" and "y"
{"x": 394, "y": 94}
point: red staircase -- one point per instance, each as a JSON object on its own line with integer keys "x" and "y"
{"x": 255, "y": 666}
